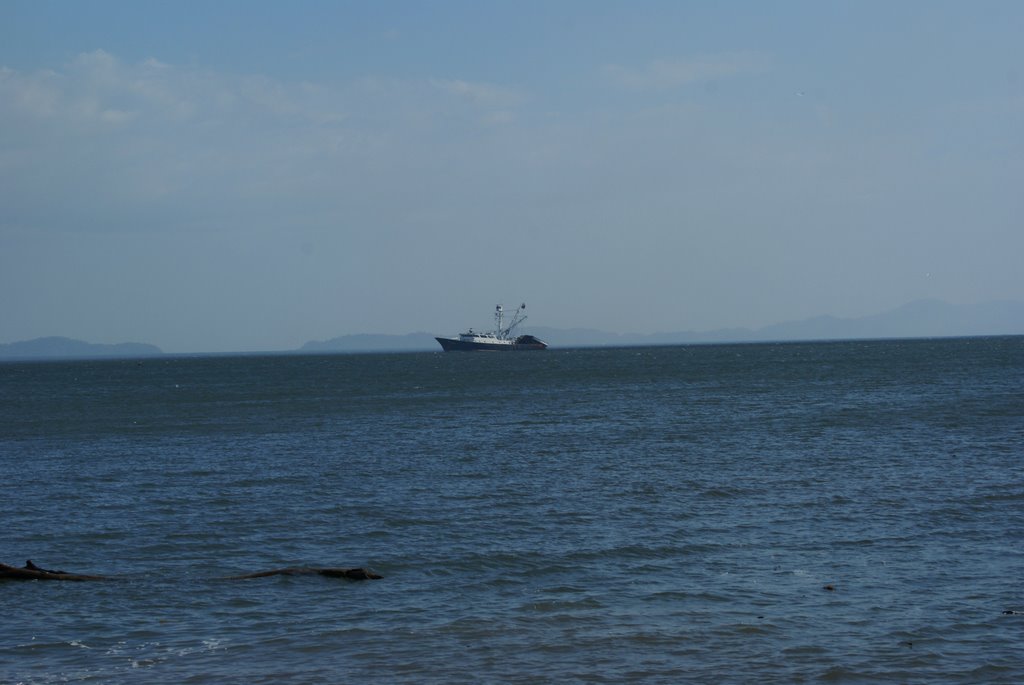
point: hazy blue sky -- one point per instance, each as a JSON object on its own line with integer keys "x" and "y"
{"x": 250, "y": 176}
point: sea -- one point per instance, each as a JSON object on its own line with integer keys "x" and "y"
{"x": 827, "y": 512}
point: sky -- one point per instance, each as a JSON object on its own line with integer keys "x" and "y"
{"x": 248, "y": 176}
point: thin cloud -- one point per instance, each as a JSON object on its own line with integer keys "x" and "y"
{"x": 482, "y": 94}
{"x": 203, "y": 143}
{"x": 665, "y": 74}
{"x": 35, "y": 95}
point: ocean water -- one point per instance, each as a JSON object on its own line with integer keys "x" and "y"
{"x": 656, "y": 515}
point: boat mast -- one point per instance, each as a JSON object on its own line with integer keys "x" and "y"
{"x": 506, "y": 333}
{"x": 517, "y": 319}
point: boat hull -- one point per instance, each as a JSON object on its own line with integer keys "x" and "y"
{"x": 456, "y": 345}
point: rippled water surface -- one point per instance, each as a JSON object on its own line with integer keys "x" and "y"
{"x": 647, "y": 514}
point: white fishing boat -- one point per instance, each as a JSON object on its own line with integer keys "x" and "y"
{"x": 501, "y": 339}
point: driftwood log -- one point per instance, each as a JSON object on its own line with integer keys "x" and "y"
{"x": 349, "y": 573}
{"x": 32, "y": 572}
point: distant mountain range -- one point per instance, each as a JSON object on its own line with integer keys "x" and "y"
{"x": 920, "y": 319}
{"x": 67, "y": 348}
